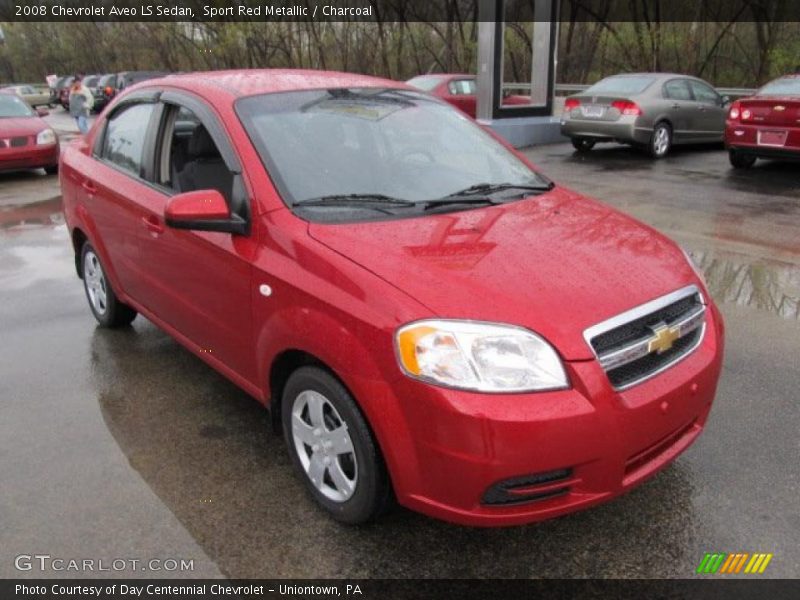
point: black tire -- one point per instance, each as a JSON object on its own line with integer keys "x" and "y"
{"x": 582, "y": 144}
{"x": 661, "y": 140}
{"x": 372, "y": 492}
{"x": 111, "y": 313}
{"x": 741, "y": 161}
{"x": 51, "y": 170}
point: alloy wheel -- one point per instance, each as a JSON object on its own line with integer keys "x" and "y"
{"x": 661, "y": 141}
{"x": 324, "y": 446}
{"x": 95, "y": 281}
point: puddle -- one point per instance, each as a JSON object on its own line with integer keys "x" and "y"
{"x": 16, "y": 217}
{"x": 769, "y": 285}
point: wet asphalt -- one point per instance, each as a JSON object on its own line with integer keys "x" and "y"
{"x": 121, "y": 444}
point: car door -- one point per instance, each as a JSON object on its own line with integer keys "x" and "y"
{"x": 708, "y": 123}
{"x": 199, "y": 282}
{"x": 111, "y": 184}
{"x": 679, "y": 107}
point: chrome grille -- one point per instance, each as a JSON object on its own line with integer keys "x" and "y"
{"x": 648, "y": 339}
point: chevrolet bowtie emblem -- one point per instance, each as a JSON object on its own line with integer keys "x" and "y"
{"x": 663, "y": 338}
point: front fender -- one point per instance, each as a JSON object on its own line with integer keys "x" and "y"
{"x": 350, "y": 350}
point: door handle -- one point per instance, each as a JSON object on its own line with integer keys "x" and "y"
{"x": 153, "y": 225}
{"x": 89, "y": 186}
{"x": 675, "y": 105}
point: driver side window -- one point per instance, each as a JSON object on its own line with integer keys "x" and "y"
{"x": 190, "y": 159}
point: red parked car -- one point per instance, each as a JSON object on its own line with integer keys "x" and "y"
{"x": 765, "y": 125}
{"x": 426, "y": 316}
{"x": 459, "y": 89}
{"x": 26, "y": 140}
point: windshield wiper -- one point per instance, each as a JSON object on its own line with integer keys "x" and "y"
{"x": 491, "y": 188}
{"x": 374, "y": 201}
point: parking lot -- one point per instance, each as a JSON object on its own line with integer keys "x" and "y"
{"x": 121, "y": 444}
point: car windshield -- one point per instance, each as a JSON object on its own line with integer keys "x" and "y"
{"x": 788, "y": 86}
{"x": 425, "y": 82}
{"x": 395, "y": 147}
{"x": 13, "y": 106}
{"x": 621, "y": 85}
{"x": 90, "y": 81}
{"x": 106, "y": 80}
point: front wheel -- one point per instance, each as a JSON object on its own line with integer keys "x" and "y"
{"x": 741, "y": 161}
{"x": 105, "y": 306}
{"x": 582, "y": 144}
{"x": 661, "y": 140}
{"x": 333, "y": 448}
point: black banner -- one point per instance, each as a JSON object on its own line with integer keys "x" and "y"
{"x": 379, "y": 589}
{"x": 647, "y": 11}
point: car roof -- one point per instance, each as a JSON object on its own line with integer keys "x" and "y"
{"x": 251, "y": 82}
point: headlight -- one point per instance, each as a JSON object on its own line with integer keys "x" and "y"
{"x": 48, "y": 136}
{"x": 484, "y": 357}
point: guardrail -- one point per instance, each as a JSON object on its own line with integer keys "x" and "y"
{"x": 565, "y": 89}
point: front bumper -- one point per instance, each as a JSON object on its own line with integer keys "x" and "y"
{"x": 28, "y": 157}
{"x": 626, "y": 129}
{"x": 453, "y": 446}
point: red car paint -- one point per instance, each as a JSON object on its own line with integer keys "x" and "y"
{"x": 447, "y": 88}
{"x": 18, "y": 147}
{"x": 557, "y": 264}
{"x": 766, "y": 125}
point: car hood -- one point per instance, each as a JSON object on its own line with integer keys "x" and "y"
{"x": 19, "y": 126}
{"x": 555, "y": 263}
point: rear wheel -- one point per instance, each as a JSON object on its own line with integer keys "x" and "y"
{"x": 51, "y": 170}
{"x": 741, "y": 161}
{"x": 661, "y": 140}
{"x": 582, "y": 144}
{"x": 103, "y": 302}
{"x": 333, "y": 448}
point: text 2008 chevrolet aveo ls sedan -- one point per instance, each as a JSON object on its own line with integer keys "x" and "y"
{"x": 427, "y": 317}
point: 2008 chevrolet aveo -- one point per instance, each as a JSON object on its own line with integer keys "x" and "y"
{"x": 427, "y": 317}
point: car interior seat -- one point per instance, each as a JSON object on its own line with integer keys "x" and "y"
{"x": 205, "y": 169}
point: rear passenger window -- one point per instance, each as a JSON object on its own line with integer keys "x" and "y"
{"x": 704, "y": 93}
{"x": 462, "y": 87}
{"x": 677, "y": 90}
{"x": 123, "y": 144}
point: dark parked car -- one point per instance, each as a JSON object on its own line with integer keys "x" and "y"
{"x": 62, "y": 91}
{"x": 651, "y": 110}
{"x": 55, "y": 89}
{"x": 765, "y": 125}
{"x": 108, "y": 86}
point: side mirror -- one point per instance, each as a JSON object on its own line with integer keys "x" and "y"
{"x": 203, "y": 210}
{"x": 726, "y": 100}
{"x": 42, "y": 112}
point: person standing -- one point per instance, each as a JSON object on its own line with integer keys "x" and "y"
{"x": 81, "y": 101}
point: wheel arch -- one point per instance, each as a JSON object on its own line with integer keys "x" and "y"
{"x": 301, "y": 336}
{"x": 79, "y": 238}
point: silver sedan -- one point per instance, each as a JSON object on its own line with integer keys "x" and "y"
{"x": 651, "y": 110}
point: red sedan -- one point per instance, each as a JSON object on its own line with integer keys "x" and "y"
{"x": 426, "y": 316}
{"x": 765, "y": 125}
{"x": 460, "y": 90}
{"x": 26, "y": 141}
